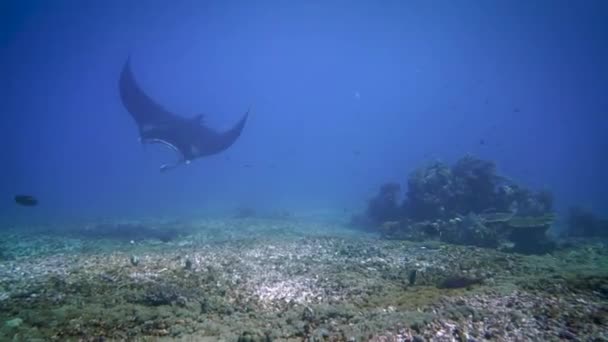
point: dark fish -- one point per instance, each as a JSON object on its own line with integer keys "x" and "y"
{"x": 25, "y": 200}
{"x": 191, "y": 138}
{"x": 457, "y": 282}
{"x": 482, "y": 142}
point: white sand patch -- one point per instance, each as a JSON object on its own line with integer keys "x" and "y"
{"x": 298, "y": 291}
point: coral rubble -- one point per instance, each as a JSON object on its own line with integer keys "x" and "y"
{"x": 249, "y": 281}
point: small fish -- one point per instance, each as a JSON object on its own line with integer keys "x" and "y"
{"x": 458, "y": 282}
{"x": 25, "y": 200}
{"x": 482, "y": 142}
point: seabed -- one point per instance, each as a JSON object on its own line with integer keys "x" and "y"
{"x": 293, "y": 280}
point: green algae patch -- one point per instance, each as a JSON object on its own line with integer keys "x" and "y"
{"x": 13, "y": 323}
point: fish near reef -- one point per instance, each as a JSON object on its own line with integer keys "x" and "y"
{"x": 458, "y": 282}
{"x": 26, "y": 200}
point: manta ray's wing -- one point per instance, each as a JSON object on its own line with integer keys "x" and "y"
{"x": 146, "y": 113}
{"x": 211, "y": 141}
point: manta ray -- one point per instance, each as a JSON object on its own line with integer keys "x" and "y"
{"x": 189, "y": 137}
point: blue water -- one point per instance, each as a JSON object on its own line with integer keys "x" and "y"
{"x": 345, "y": 95}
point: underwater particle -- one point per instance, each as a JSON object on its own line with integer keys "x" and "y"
{"x": 26, "y": 200}
{"x": 134, "y": 260}
{"x": 516, "y": 110}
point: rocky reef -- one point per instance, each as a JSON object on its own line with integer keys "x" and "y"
{"x": 467, "y": 203}
{"x": 385, "y": 205}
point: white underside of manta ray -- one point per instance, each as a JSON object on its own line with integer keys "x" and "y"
{"x": 189, "y": 137}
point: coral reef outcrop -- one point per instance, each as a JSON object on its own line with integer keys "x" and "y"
{"x": 467, "y": 203}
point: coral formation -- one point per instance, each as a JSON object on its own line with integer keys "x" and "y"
{"x": 467, "y": 203}
{"x": 385, "y": 205}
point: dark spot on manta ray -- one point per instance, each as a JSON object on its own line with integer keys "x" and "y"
{"x": 26, "y": 200}
{"x": 190, "y": 138}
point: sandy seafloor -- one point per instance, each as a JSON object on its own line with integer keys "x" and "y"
{"x": 292, "y": 280}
